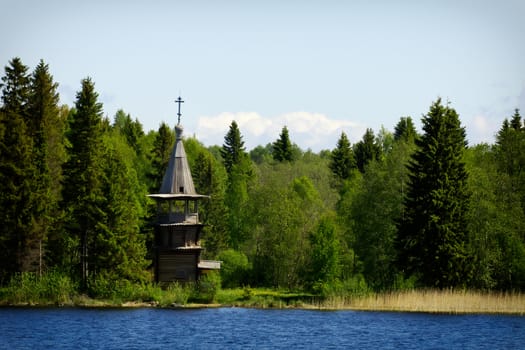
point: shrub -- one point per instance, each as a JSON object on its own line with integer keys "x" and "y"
{"x": 235, "y": 268}
{"x": 176, "y": 293}
{"x": 53, "y": 287}
{"x": 57, "y": 287}
{"x": 107, "y": 286}
{"x": 207, "y": 287}
{"x": 354, "y": 286}
{"x": 102, "y": 285}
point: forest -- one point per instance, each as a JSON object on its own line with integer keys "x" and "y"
{"x": 396, "y": 210}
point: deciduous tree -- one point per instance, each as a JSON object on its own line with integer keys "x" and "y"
{"x": 324, "y": 250}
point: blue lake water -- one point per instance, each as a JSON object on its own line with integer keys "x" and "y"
{"x": 238, "y": 328}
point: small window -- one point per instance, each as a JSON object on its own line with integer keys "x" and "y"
{"x": 181, "y": 189}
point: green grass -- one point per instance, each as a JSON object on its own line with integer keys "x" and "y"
{"x": 262, "y": 298}
{"x": 56, "y": 289}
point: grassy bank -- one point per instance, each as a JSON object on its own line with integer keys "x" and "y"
{"x": 432, "y": 301}
{"x": 54, "y": 289}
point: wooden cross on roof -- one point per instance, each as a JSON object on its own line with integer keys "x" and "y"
{"x": 179, "y": 101}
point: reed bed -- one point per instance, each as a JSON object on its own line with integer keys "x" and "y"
{"x": 432, "y": 301}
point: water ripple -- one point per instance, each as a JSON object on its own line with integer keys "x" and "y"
{"x": 238, "y": 328}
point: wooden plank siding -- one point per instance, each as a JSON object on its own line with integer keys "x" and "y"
{"x": 174, "y": 266}
{"x": 177, "y": 230}
{"x": 175, "y": 236}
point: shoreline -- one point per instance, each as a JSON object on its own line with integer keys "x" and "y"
{"x": 430, "y": 302}
{"x": 140, "y": 305}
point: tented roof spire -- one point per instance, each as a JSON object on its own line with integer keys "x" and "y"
{"x": 177, "y": 181}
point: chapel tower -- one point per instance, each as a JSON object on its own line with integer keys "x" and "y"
{"x": 177, "y": 246}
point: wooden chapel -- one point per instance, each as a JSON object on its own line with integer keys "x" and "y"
{"x": 178, "y": 230}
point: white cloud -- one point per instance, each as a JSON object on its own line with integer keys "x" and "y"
{"x": 480, "y": 123}
{"x": 481, "y": 128}
{"x": 308, "y": 130}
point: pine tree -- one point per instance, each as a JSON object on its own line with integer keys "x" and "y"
{"x": 432, "y": 235}
{"x": 16, "y": 170}
{"x": 83, "y": 172}
{"x": 233, "y": 150}
{"x": 282, "y": 147}
{"x": 366, "y": 150}
{"x": 342, "y": 161}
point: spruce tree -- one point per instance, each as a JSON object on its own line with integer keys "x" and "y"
{"x": 342, "y": 160}
{"x": 515, "y": 122}
{"x": 366, "y": 150}
{"x": 210, "y": 180}
{"x": 16, "y": 88}
{"x": 131, "y": 129}
{"x": 239, "y": 169}
{"x": 119, "y": 250}
{"x": 405, "y": 130}
{"x": 282, "y": 147}
{"x": 162, "y": 146}
{"x": 432, "y": 235}
{"x": 46, "y": 128}
{"x": 233, "y": 150}
{"x": 510, "y": 145}
{"x": 83, "y": 172}
{"x": 16, "y": 171}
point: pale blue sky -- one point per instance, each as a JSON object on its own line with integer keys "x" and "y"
{"x": 318, "y": 67}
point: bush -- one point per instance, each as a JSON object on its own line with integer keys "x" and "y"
{"x": 176, "y": 293}
{"x": 53, "y": 287}
{"x": 354, "y": 286}
{"x": 102, "y": 285}
{"x": 403, "y": 284}
{"x": 235, "y": 268}
{"x": 207, "y": 287}
{"x": 57, "y": 287}
{"x": 107, "y": 286}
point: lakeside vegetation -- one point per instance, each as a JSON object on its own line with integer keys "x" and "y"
{"x": 55, "y": 290}
{"x": 395, "y": 220}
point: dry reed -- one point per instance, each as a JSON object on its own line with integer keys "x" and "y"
{"x": 432, "y": 301}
